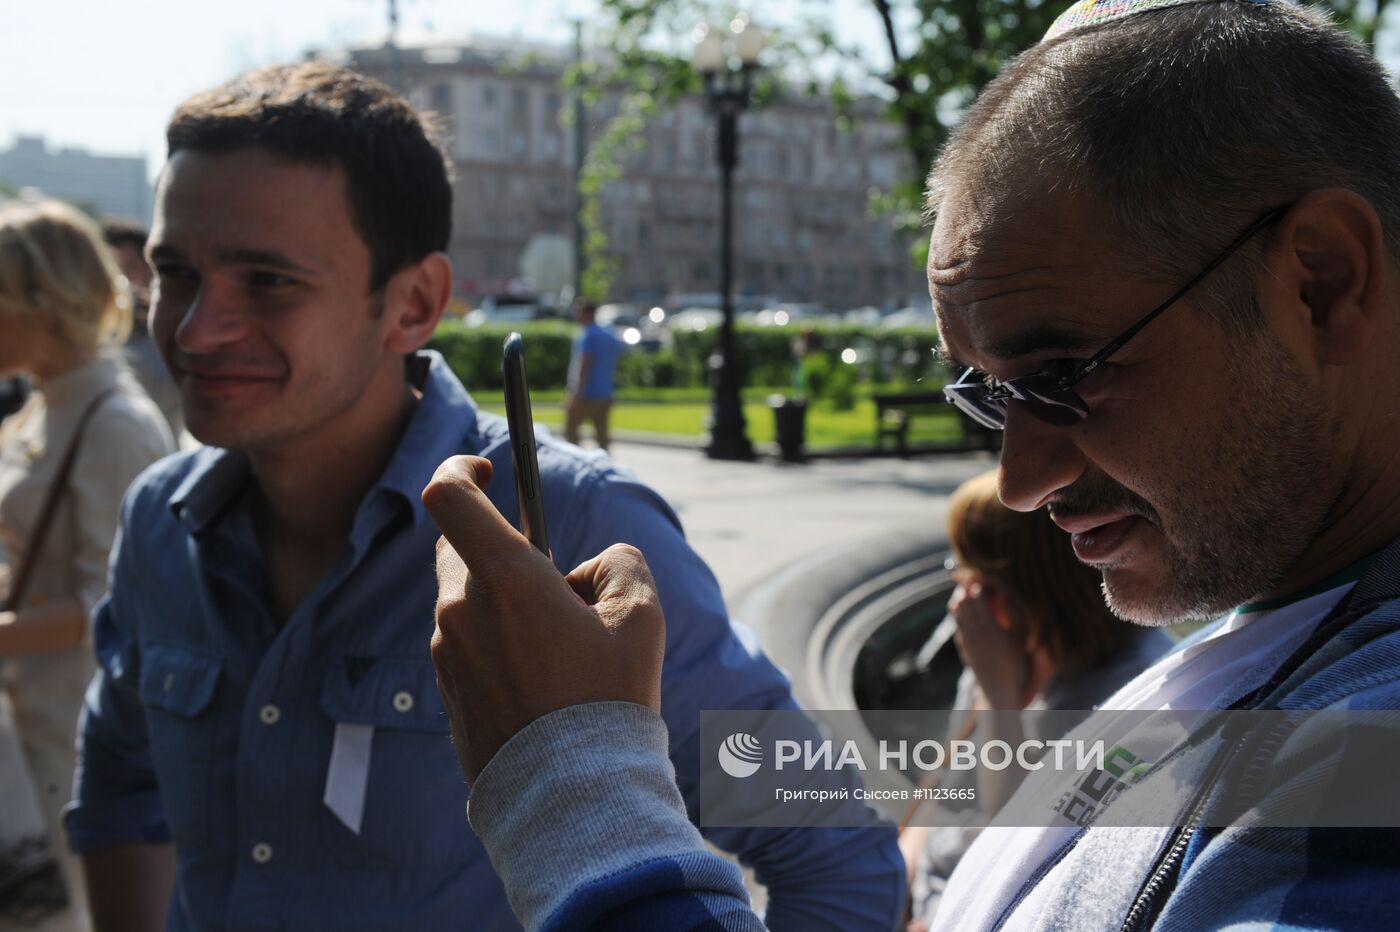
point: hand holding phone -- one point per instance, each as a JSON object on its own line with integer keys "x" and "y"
{"x": 515, "y": 639}
{"x": 522, "y": 443}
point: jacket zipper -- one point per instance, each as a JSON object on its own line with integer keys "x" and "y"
{"x": 1144, "y": 911}
{"x": 1145, "y": 906}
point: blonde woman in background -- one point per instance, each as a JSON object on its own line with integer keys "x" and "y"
{"x": 64, "y": 311}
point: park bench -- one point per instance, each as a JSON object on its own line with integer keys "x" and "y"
{"x": 895, "y": 412}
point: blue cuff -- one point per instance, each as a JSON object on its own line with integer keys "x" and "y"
{"x": 95, "y": 824}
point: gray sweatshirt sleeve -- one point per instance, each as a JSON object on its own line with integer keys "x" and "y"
{"x": 583, "y": 822}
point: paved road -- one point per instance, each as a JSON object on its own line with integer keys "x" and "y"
{"x": 749, "y": 520}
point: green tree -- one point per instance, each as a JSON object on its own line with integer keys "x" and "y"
{"x": 941, "y": 53}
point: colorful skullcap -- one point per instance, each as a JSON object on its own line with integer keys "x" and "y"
{"x": 1093, "y": 12}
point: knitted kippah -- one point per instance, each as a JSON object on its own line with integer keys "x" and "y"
{"x": 1094, "y": 12}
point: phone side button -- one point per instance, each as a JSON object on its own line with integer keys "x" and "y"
{"x": 527, "y": 484}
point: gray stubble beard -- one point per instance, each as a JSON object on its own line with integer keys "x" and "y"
{"x": 1226, "y": 548}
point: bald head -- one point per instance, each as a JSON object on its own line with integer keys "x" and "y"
{"x": 1135, "y": 115}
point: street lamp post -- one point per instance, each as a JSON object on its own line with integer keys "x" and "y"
{"x": 727, "y": 92}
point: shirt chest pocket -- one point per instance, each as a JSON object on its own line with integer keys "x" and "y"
{"x": 177, "y": 686}
{"x": 392, "y": 765}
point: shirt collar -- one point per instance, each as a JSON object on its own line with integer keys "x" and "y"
{"x": 215, "y": 482}
{"x": 1343, "y": 576}
{"x": 443, "y": 424}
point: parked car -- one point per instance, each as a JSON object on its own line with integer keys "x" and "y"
{"x": 695, "y": 318}
{"x": 628, "y": 324}
{"x": 867, "y": 316}
{"x": 911, "y": 316}
{"x": 789, "y": 313}
{"x": 505, "y": 309}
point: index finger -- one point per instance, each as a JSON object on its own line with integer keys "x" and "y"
{"x": 472, "y": 525}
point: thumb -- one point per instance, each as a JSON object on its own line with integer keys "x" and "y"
{"x": 457, "y": 502}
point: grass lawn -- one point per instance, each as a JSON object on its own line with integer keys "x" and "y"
{"x": 682, "y": 412}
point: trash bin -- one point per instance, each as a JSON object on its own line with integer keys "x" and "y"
{"x": 790, "y": 418}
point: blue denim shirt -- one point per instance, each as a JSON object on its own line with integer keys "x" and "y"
{"x": 210, "y": 725}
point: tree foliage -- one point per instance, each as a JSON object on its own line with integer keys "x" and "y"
{"x": 940, "y": 54}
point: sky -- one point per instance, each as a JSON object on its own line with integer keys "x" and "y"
{"x": 104, "y": 76}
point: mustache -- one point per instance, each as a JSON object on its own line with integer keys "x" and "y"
{"x": 1095, "y": 498}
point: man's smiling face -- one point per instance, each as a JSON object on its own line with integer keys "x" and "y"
{"x": 1192, "y": 483}
{"x": 261, "y": 305}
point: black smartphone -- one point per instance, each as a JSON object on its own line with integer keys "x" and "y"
{"x": 522, "y": 443}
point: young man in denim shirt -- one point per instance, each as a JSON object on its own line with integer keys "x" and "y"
{"x": 264, "y": 745}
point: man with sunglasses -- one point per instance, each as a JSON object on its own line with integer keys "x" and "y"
{"x": 1167, "y": 258}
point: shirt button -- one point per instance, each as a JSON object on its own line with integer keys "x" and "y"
{"x": 403, "y": 702}
{"x": 269, "y": 714}
{"x": 262, "y": 852}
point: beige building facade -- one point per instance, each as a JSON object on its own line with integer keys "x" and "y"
{"x": 803, "y": 230}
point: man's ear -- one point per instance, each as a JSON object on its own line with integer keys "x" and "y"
{"x": 415, "y": 299}
{"x": 1334, "y": 262}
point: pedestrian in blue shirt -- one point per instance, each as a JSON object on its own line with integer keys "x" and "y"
{"x": 264, "y": 745}
{"x": 591, "y": 377}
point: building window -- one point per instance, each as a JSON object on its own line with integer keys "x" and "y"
{"x": 519, "y": 102}
{"x": 440, "y": 101}
{"x": 488, "y": 96}
{"x": 666, "y": 155}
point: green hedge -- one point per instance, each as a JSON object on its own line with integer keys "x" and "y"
{"x": 474, "y": 353}
{"x": 885, "y": 356}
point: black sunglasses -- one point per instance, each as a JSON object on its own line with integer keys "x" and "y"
{"x": 1050, "y": 396}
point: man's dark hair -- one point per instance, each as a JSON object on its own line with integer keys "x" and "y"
{"x": 399, "y": 179}
{"x": 119, "y": 232}
{"x": 1186, "y": 124}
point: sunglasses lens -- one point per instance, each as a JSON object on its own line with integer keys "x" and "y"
{"x": 1044, "y": 397}
{"x": 971, "y": 399}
